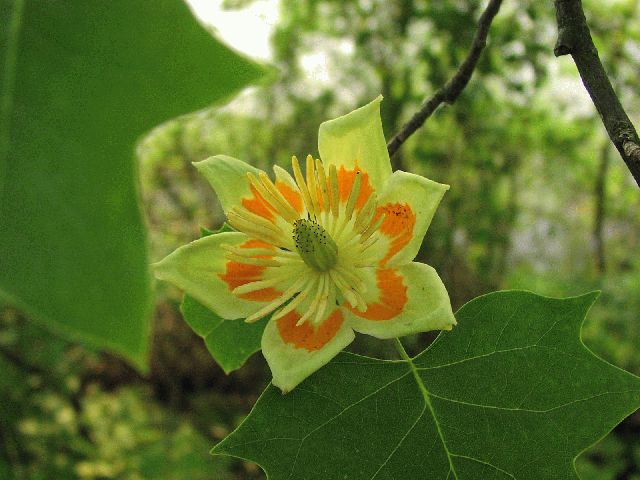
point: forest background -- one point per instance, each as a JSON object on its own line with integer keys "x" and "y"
{"x": 539, "y": 200}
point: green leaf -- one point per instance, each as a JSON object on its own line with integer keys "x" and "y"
{"x": 230, "y": 342}
{"x": 80, "y": 82}
{"x": 511, "y": 393}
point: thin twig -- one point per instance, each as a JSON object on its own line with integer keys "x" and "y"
{"x": 452, "y": 89}
{"x": 574, "y": 38}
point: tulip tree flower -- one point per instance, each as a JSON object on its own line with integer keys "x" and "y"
{"x": 324, "y": 253}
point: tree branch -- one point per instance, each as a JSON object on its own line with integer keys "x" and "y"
{"x": 452, "y": 89}
{"x": 574, "y": 38}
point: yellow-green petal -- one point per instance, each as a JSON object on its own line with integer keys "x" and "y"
{"x": 357, "y": 139}
{"x": 417, "y": 198}
{"x": 196, "y": 268}
{"x": 413, "y": 294}
{"x": 228, "y": 177}
{"x": 293, "y": 353}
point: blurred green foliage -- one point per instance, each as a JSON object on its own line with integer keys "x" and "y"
{"x": 127, "y": 438}
{"x": 67, "y": 413}
{"x": 538, "y": 200}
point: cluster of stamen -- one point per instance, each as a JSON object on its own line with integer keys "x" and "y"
{"x": 319, "y": 252}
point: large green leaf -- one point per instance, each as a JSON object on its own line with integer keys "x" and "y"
{"x": 81, "y": 81}
{"x": 511, "y": 393}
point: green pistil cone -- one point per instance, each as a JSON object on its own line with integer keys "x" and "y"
{"x": 315, "y": 246}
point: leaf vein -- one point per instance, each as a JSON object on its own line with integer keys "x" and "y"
{"x": 528, "y": 410}
{"x": 506, "y": 324}
{"x": 476, "y": 357}
{"x": 477, "y": 460}
{"x": 427, "y": 400}
{"x": 507, "y": 350}
{"x": 424, "y": 409}
{"x": 322, "y": 425}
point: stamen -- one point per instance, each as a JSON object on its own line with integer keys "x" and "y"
{"x": 258, "y": 285}
{"x": 279, "y": 253}
{"x": 351, "y": 247}
{"x": 333, "y": 184}
{"x": 347, "y": 292}
{"x": 322, "y": 180}
{"x": 272, "y": 199}
{"x": 350, "y": 277}
{"x": 291, "y": 214}
{"x": 355, "y": 247}
{"x": 255, "y": 220}
{"x": 302, "y": 185}
{"x": 313, "y": 306}
{"x": 254, "y": 231}
{"x": 324, "y": 300}
{"x": 363, "y": 260}
{"x": 365, "y": 215}
{"x": 362, "y": 304}
{"x": 372, "y": 228}
{"x": 368, "y": 243}
{"x": 339, "y": 228}
{"x": 261, "y": 190}
{"x": 359, "y": 301}
{"x": 250, "y": 252}
{"x": 353, "y": 196}
{"x": 296, "y": 301}
{"x": 311, "y": 183}
{"x": 263, "y": 262}
{"x": 257, "y": 231}
{"x": 277, "y": 302}
{"x": 366, "y": 263}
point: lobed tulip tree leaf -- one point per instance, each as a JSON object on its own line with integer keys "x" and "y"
{"x": 510, "y": 393}
{"x": 80, "y": 82}
{"x": 230, "y": 342}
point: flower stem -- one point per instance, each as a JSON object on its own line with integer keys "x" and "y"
{"x": 401, "y": 350}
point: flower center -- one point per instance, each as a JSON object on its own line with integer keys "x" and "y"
{"x": 338, "y": 208}
{"x": 315, "y": 245}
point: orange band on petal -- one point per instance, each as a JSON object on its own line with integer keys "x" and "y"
{"x": 304, "y": 336}
{"x": 345, "y": 184}
{"x": 393, "y": 297}
{"x": 398, "y": 224}
{"x": 258, "y": 205}
{"x": 293, "y": 197}
{"x": 237, "y": 274}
